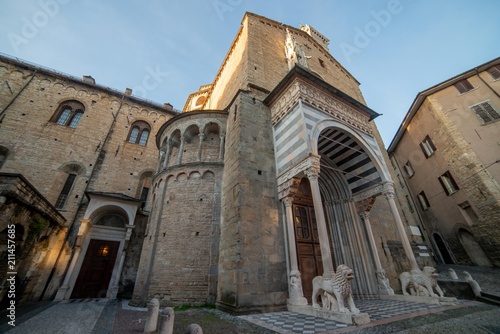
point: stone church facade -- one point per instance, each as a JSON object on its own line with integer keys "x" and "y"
{"x": 273, "y": 174}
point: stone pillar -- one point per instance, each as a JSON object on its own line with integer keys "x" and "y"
{"x": 152, "y": 318}
{"x": 296, "y": 293}
{"x": 201, "y": 136}
{"x": 167, "y": 154}
{"x": 193, "y": 329}
{"x": 221, "y": 148}
{"x": 167, "y": 321}
{"x": 113, "y": 291}
{"x": 181, "y": 149}
{"x": 312, "y": 174}
{"x": 389, "y": 195}
{"x": 384, "y": 287}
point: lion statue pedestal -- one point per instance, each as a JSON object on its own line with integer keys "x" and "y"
{"x": 334, "y": 290}
{"x": 419, "y": 286}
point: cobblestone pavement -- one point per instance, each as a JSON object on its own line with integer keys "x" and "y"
{"x": 102, "y": 316}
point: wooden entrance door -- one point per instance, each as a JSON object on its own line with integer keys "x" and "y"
{"x": 307, "y": 243}
{"x": 97, "y": 268}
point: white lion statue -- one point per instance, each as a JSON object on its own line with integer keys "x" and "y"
{"x": 417, "y": 278}
{"x": 333, "y": 291}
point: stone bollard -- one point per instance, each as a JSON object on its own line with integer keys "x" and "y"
{"x": 473, "y": 284}
{"x": 152, "y": 318}
{"x": 167, "y": 321}
{"x": 193, "y": 329}
{"x": 452, "y": 273}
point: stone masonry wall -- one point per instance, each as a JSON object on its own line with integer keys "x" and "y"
{"x": 182, "y": 257}
{"x": 252, "y": 271}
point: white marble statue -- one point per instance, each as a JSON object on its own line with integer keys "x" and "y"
{"x": 426, "y": 278}
{"x": 334, "y": 291}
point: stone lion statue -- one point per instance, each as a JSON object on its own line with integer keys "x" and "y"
{"x": 333, "y": 291}
{"x": 417, "y": 278}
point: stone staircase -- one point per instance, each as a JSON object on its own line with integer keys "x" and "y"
{"x": 488, "y": 279}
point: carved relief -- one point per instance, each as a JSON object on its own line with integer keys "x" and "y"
{"x": 386, "y": 187}
{"x": 320, "y": 99}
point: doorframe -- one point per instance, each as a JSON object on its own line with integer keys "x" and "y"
{"x": 105, "y": 233}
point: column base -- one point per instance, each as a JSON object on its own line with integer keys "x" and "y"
{"x": 61, "y": 293}
{"x": 386, "y": 291}
{"x": 346, "y": 318}
{"x": 297, "y": 301}
{"x": 423, "y": 299}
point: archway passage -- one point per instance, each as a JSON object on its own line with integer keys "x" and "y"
{"x": 445, "y": 255}
{"x": 473, "y": 249}
{"x": 347, "y": 168}
{"x": 97, "y": 268}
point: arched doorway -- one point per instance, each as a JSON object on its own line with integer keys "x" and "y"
{"x": 443, "y": 251}
{"x": 97, "y": 268}
{"x": 473, "y": 249}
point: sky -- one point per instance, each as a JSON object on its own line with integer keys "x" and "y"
{"x": 165, "y": 49}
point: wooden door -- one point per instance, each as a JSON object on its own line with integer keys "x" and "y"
{"x": 307, "y": 243}
{"x": 97, "y": 268}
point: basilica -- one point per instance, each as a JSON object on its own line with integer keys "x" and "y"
{"x": 272, "y": 174}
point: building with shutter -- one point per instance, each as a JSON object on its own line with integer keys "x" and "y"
{"x": 447, "y": 155}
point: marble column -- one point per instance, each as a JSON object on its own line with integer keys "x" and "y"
{"x": 389, "y": 195}
{"x": 296, "y": 293}
{"x": 312, "y": 174}
{"x": 383, "y": 283}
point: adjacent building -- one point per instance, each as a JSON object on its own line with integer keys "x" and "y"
{"x": 447, "y": 155}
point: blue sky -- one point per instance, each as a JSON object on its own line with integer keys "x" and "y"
{"x": 165, "y": 50}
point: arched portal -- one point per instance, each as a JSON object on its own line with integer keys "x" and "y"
{"x": 473, "y": 249}
{"x": 346, "y": 169}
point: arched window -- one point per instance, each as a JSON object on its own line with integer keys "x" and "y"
{"x": 68, "y": 113}
{"x": 139, "y": 133}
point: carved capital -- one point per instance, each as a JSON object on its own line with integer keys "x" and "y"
{"x": 288, "y": 188}
{"x": 202, "y": 136}
{"x": 287, "y": 201}
{"x": 389, "y": 195}
{"x": 312, "y": 173}
{"x": 365, "y": 215}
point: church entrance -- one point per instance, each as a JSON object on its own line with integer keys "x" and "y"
{"x": 97, "y": 268}
{"x": 306, "y": 238}
{"x": 307, "y": 245}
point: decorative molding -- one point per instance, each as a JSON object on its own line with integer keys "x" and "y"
{"x": 301, "y": 167}
{"x": 379, "y": 189}
{"x": 320, "y": 99}
{"x": 288, "y": 189}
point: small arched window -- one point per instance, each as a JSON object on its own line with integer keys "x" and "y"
{"x": 68, "y": 113}
{"x": 139, "y": 133}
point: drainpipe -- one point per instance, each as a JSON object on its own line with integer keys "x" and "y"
{"x": 66, "y": 239}
{"x": 15, "y": 97}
